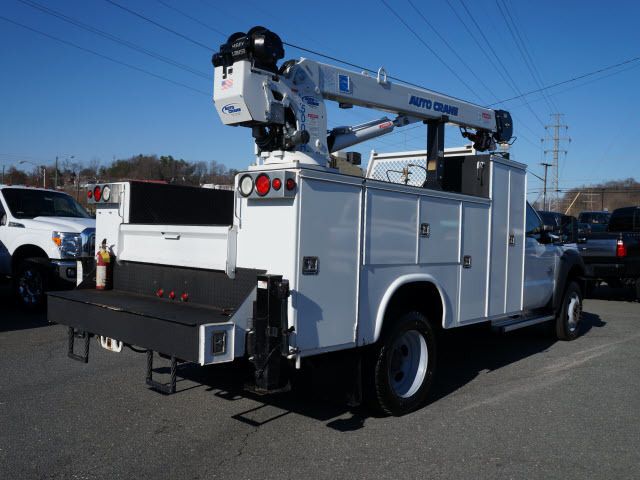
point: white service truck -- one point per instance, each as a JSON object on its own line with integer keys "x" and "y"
{"x": 301, "y": 259}
{"x": 43, "y": 233}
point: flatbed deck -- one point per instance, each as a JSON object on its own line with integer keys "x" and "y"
{"x": 167, "y": 326}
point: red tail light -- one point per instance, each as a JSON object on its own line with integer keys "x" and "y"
{"x": 276, "y": 184}
{"x": 172, "y": 294}
{"x": 89, "y": 194}
{"x": 263, "y": 184}
{"x": 621, "y": 249}
{"x": 97, "y": 193}
{"x": 291, "y": 184}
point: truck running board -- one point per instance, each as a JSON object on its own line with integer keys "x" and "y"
{"x": 511, "y": 324}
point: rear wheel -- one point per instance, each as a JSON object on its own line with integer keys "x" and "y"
{"x": 30, "y": 285}
{"x": 568, "y": 319}
{"x": 402, "y": 365}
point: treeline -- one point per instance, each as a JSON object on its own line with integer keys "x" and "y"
{"x": 140, "y": 167}
{"x": 601, "y": 196}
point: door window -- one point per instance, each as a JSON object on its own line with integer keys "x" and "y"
{"x": 533, "y": 220}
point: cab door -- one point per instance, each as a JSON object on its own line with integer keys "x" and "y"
{"x": 5, "y": 256}
{"x": 539, "y": 263}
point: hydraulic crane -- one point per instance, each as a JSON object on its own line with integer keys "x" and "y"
{"x": 285, "y": 106}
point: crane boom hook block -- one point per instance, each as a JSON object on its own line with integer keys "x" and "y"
{"x": 285, "y": 106}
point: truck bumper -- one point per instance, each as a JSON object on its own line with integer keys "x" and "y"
{"x": 605, "y": 270}
{"x": 65, "y": 270}
{"x": 192, "y": 333}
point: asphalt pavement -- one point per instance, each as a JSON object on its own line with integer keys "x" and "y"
{"x": 514, "y": 406}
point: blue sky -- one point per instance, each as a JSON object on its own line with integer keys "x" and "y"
{"x": 58, "y": 100}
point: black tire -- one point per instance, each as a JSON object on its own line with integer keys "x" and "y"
{"x": 30, "y": 285}
{"x": 570, "y": 314}
{"x": 401, "y": 367}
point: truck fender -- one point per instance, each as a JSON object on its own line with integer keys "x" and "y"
{"x": 569, "y": 266}
{"x": 394, "y": 287}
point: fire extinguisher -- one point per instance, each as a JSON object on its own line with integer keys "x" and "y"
{"x": 103, "y": 266}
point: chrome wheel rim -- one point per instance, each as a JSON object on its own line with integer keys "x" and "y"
{"x": 408, "y": 359}
{"x": 30, "y": 286}
{"x": 574, "y": 312}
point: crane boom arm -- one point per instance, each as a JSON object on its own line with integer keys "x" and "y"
{"x": 363, "y": 90}
{"x": 285, "y": 105}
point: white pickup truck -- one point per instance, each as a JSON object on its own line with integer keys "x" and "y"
{"x": 42, "y": 235}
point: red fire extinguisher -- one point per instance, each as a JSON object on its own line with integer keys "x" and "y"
{"x": 103, "y": 265}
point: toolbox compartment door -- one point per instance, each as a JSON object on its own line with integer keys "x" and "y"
{"x": 206, "y": 247}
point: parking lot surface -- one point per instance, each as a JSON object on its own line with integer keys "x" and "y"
{"x": 513, "y": 406}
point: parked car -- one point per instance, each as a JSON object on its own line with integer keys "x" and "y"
{"x": 42, "y": 234}
{"x": 596, "y": 221}
{"x": 614, "y": 255}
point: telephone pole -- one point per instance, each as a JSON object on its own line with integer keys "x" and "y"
{"x": 557, "y": 143}
{"x": 544, "y": 192}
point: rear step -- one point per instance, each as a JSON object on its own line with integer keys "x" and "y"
{"x": 166, "y": 388}
{"x": 511, "y": 324}
{"x": 72, "y": 335}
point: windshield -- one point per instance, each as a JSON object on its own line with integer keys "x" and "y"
{"x": 25, "y": 203}
{"x": 549, "y": 218}
{"x": 601, "y": 218}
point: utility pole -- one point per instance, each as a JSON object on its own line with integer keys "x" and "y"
{"x": 544, "y": 192}
{"x": 55, "y": 181}
{"x": 558, "y": 140}
{"x": 590, "y": 200}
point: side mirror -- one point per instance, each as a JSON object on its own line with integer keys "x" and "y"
{"x": 555, "y": 239}
{"x": 3, "y": 220}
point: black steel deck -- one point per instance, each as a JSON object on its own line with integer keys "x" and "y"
{"x": 166, "y": 326}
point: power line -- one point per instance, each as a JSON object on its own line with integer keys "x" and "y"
{"x": 106, "y": 57}
{"x": 484, "y": 52}
{"x": 444, "y": 40}
{"x": 114, "y": 38}
{"x": 292, "y": 45}
{"x": 515, "y": 86}
{"x": 434, "y": 53}
{"x": 517, "y": 39}
{"x": 569, "y": 80}
{"x": 153, "y": 22}
{"x": 184, "y": 14}
{"x": 360, "y": 67}
{"x": 523, "y": 42}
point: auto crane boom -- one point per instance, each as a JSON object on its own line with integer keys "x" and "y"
{"x": 285, "y": 106}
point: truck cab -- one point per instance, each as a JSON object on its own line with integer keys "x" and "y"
{"x": 43, "y": 233}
